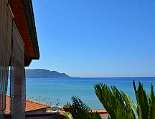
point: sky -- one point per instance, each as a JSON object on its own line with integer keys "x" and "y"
{"x": 96, "y": 38}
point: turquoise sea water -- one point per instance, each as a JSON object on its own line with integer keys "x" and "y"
{"x": 59, "y": 91}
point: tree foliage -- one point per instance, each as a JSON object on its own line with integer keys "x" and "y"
{"x": 79, "y": 110}
{"x": 119, "y": 105}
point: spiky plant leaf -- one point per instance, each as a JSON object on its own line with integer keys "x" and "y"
{"x": 143, "y": 107}
{"x": 116, "y": 102}
{"x": 152, "y": 103}
{"x": 108, "y": 101}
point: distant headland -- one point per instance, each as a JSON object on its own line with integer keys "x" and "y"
{"x": 44, "y": 73}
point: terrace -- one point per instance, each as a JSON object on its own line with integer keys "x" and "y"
{"x": 18, "y": 47}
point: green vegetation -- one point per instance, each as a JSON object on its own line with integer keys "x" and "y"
{"x": 79, "y": 110}
{"x": 145, "y": 103}
{"x": 67, "y": 115}
{"x": 117, "y": 103}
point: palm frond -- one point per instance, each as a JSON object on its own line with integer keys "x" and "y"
{"x": 116, "y": 102}
{"x": 80, "y": 110}
{"x": 143, "y": 107}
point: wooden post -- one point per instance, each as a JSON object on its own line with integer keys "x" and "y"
{"x": 18, "y": 94}
{"x": 18, "y": 88}
{"x": 5, "y": 51}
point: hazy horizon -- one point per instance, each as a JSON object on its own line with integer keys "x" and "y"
{"x": 91, "y": 76}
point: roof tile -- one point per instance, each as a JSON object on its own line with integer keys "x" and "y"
{"x": 30, "y": 105}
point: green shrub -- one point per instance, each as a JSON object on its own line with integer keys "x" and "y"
{"x": 79, "y": 110}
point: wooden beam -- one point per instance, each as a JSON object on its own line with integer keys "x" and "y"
{"x": 18, "y": 82}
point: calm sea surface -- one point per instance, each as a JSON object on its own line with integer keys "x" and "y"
{"x": 59, "y": 91}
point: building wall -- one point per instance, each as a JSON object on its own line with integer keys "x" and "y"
{"x": 5, "y": 49}
{"x": 17, "y": 81}
{"x": 11, "y": 54}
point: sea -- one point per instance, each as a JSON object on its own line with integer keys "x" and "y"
{"x": 59, "y": 91}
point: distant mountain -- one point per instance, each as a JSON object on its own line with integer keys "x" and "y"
{"x": 43, "y": 73}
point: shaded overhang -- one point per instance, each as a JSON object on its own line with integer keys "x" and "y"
{"x": 24, "y": 19}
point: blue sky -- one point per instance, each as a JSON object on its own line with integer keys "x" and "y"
{"x": 96, "y": 38}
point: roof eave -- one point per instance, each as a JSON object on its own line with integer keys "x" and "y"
{"x": 32, "y": 28}
{"x": 24, "y": 19}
